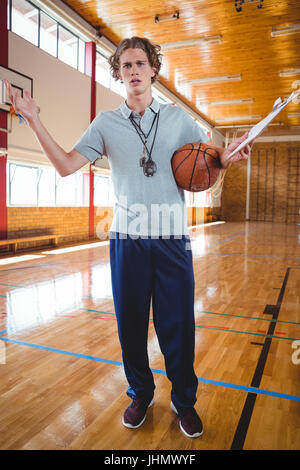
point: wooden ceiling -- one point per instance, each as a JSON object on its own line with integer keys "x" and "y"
{"x": 247, "y": 48}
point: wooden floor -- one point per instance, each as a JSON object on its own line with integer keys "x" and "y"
{"x": 62, "y": 384}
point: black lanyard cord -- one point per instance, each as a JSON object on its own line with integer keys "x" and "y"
{"x": 138, "y": 128}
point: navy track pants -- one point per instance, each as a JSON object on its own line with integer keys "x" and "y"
{"x": 161, "y": 269}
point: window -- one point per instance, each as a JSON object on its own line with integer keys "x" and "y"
{"x": 102, "y": 70}
{"x": 48, "y": 34}
{"x": 118, "y": 87}
{"x": 69, "y": 190}
{"x": 81, "y": 56}
{"x": 36, "y": 26}
{"x": 25, "y": 20}
{"x": 42, "y": 186}
{"x": 103, "y": 191}
{"x": 22, "y": 185}
{"x": 46, "y": 188}
{"x": 103, "y": 76}
{"x": 67, "y": 47}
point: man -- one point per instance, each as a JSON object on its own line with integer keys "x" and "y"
{"x": 149, "y": 258}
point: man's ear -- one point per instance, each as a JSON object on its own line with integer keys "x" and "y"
{"x": 118, "y": 75}
{"x": 154, "y": 70}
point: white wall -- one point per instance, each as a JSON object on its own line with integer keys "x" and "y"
{"x": 62, "y": 93}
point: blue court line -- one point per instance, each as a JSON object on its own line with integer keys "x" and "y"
{"x": 231, "y": 237}
{"x": 61, "y": 351}
{"x": 3, "y": 296}
{"x": 158, "y": 371}
{"x": 2, "y": 332}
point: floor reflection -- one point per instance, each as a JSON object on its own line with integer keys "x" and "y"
{"x": 35, "y": 305}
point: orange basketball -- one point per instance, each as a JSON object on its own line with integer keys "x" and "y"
{"x": 196, "y": 166}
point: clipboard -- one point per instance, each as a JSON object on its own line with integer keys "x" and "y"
{"x": 256, "y": 130}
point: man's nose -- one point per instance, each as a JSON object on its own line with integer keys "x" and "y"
{"x": 134, "y": 70}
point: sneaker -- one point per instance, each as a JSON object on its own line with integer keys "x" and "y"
{"x": 135, "y": 414}
{"x": 190, "y": 423}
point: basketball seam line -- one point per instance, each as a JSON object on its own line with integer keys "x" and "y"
{"x": 183, "y": 159}
{"x": 195, "y": 161}
{"x": 204, "y": 157}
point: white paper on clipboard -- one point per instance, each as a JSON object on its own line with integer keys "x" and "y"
{"x": 256, "y": 130}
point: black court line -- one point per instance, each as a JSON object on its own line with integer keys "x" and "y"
{"x": 245, "y": 418}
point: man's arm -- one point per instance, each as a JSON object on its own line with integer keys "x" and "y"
{"x": 64, "y": 162}
{"x": 225, "y": 152}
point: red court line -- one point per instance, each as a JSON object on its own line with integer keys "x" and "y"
{"x": 279, "y": 333}
{"x": 102, "y": 318}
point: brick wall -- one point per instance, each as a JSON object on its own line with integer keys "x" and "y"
{"x": 268, "y": 186}
{"x": 72, "y": 223}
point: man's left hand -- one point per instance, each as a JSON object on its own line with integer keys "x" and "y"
{"x": 241, "y": 155}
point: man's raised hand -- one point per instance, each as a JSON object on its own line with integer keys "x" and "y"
{"x": 25, "y": 106}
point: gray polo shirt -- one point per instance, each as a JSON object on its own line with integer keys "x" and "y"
{"x": 146, "y": 206}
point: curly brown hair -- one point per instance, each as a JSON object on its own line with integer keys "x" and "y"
{"x": 152, "y": 50}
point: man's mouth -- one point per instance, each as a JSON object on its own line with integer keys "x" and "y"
{"x": 135, "y": 81}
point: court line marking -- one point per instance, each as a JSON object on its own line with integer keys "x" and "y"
{"x": 215, "y": 328}
{"x": 250, "y": 318}
{"x": 247, "y": 333}
{"x": 246, "y": 416}
{"x": 213, "y": 313}
{"x": 157, "y": 371}
{"x": 231, "y": 237}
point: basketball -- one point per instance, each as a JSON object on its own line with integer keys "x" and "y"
{"x": 196, "y": 166}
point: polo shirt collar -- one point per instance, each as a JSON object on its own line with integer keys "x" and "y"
{"x": 154, "y": 106}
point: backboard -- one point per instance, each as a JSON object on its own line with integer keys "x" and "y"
{"x": 18, "y": 80}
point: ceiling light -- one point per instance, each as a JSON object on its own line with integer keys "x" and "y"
{"x": 285, "y": 31}
{"x": 224, "y": 78}
{"x": 227, "y": 102}
{"x": 239, "y": 118}
{"x": 192, "y": 42}
{"x": 161, "y": 18}
{"x": 293, "y": 115}
{"x": 289, "y": 72}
